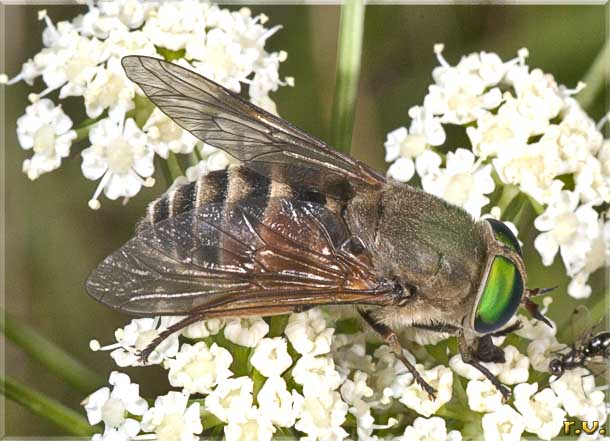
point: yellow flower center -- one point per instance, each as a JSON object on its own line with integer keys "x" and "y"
{"x": 170, "y": 428}
{"x": 44, "y": 140}
{"x": 120, "y": 156}
{"x": 113, "y": 412}
{"x": 459, "y": 188}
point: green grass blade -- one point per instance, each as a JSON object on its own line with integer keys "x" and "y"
{"x": 349, "y": 54}
{"x": 47, "y": 407}
{"x": 49, "y": 354}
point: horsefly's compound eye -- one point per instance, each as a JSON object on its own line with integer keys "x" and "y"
{"x": 501, "y": 296}
{"x": 503, "y": 234}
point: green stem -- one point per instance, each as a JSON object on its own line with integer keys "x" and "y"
{"x": 173, "y": 165}
{"x": 349, "y": 53}
{"x": 46, "y": 407}
{"x": 509, "y": 192}
{"x": 208, "y": 420}
{"x": 538, "y": 208}
{"x": 450, "y": 413}
{"x": 596, "y": 77}
{"x": 161, "y": 164}
{"x": 82, "y": 131}
{"x": 49, "y": 354}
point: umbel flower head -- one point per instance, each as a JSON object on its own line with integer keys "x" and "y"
{"x": 122, "y": 134}
{"x": 529, "y": 143}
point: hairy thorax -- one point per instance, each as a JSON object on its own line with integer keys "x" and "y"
{"x": 433, "y": 250}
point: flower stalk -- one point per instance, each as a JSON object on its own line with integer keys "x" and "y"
{"x": 597, "y": 76}
{"x": 349, "y": 54}
{"x": 38, "y": 403}
{"x": 175, "y": 171}
{"x": 56, "y": 359}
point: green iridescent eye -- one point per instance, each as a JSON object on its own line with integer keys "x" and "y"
{"x": 503, "y": 234}
{"x": 501, "y": 296}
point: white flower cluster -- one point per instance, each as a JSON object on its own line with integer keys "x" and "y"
{"x": 535, "y": 410}
{"x": 526, "y": 136}
{"x": 253, "y": 378}
{"x": 295, "y": 386}
{"x": 82, "y": 58}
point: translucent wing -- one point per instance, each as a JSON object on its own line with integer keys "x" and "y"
{"x": 598, "y": 366}
{"x": 250, "y": 255}
{"x": 264, "y": 142}
{"x": 581, "y": 325}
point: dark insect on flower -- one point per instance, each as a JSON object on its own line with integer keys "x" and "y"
{"x": 590, "y": 349}
{"x": 298, "y": 224}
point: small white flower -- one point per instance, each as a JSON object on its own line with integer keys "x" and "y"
{"x": 516, "y": 367}
{"x": 533, "y": 329}
{"x": 578, "y": 396}
{"x": 541, "y": 351}
{"x": 114, "y": 407}
{"x": 171, "y": 419}
{"x": 414, "y": 397}
{"x": 256, "y": 426}
{"x": 604, "y": 157}
{"x": 349, "y": 353}
{"x": 577, "y": 137}
{"x": 483, "y": 396}
{"x": 354, "y": 393}
{"x": 596, "y": 257}
{"x": 165, "y": 136}
{"x": 223, "y": 59}
{"x": 203, "y": 328}
{"x": 487, "y": 65}
{"x": 230, "y": 399}
{"x": 567, "y": 228}
{"x": 194, "y": 172}
{"x": 429, "y": 429}
{"x": 198, "y": 368}
{"x": 497, "y": 133}
{"x": 308, "y": 334}
{"x": 131, "y": 13}
{"x": 426, "y": 124}
{"x": 45, "y": 129}
{"x": 246, "y": 331}
{"x": 505, "y": 424}
{"x": 173, "y": 24}
{"x": 126, "y": 432}
{"x": 119, "y": 156}
{"x": 533, "y": 167}
{"x": 592, "y": 185}
{"x": 470, "y": 372}
{"x": 137, "y": 335}
{"x": 537, "y": 94}
{"x": 390, "y": 375}
{"x": 271, "y": 357}
{"x": 402, "y": 169}
{"x": 459, "y": 97}
{"x": 542, "y": 411}
{"x": 96, "y": 23}
{"x": 320, "y": 417}
{"x": 276, "y": 401}
{"x": 315, "y": 374}
{"x": 402, "y": 147}
{"x": 219, "y": 160}
{"x": 76, "y": 66}
{"x": 462, "y": 182}
{"x": 122, "y": 43}
{"x": 29, "y": 72}
{"x": 110, "y": 89}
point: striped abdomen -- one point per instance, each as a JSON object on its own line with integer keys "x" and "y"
{"x": 232, "y": 185}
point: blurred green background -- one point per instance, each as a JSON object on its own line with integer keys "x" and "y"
{"x": 53, "y": 240}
